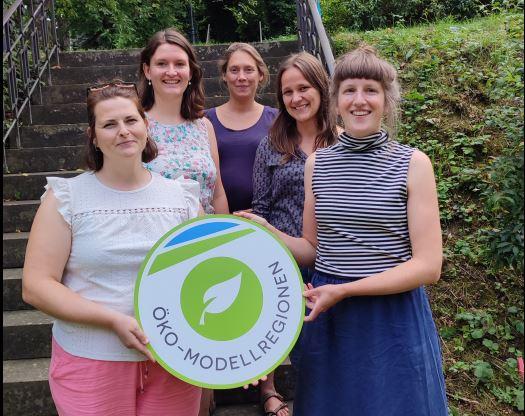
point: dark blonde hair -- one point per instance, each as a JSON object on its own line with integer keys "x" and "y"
{"x": 93, "y": 157}
{"x": 283, "y": 134}
{"x": 364, "y": 63}
{"x": 250, "y": 50}
{"x": 192, "y": 106}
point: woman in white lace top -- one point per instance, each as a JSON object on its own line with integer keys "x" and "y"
{"x": 88, "y": 239}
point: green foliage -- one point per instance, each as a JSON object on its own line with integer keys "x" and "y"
{"x": 239, "y": 19}
{"x": 480, "y": 326}
{"x": 463, "y": 106}
{"x": 129, "y": 23}
{"x": 247, "y": 14}
{"x": 503, "y": 190}
{"x": 108, "y": 24}
{"x": 373, "y": 14}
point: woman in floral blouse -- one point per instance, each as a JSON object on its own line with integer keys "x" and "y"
{"x": 171, "y": 92}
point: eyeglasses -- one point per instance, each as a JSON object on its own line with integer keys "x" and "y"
{"x": 101, "y": 87}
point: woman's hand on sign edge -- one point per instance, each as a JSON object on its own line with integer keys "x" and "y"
{"x": 255, "y": 382}
{"x": 320, "y": 299}
{"x": 130, "y": 334}
{"x": 252, "y": 217}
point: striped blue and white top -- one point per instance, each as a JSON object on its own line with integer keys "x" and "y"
{"x": 360, "y": 186}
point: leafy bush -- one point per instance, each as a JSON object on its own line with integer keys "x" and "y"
{"x": 373, "y": 14}
{"x": 111, "y": 24}
{"x": 129, "y": 23}
{"x": 239, "y": 19}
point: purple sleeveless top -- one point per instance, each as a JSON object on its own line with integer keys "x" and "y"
{"x": 237, "y": 153}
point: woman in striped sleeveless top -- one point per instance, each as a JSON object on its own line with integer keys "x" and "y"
{"x": 371, "y": 222}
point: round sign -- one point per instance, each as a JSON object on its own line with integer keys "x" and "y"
{"x": 220, "y": 299}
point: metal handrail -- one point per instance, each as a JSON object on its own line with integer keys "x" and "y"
{"x": 30, "y": 42}
{"x": 312, "y": 34}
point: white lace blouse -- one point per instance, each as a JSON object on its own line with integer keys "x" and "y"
{"x": 112, "y": 231}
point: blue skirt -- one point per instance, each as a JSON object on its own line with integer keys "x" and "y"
{"x": 371, "y": 356}
{"x": 307, "y": 274}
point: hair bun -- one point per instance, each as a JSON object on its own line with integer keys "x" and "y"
{"x": 366, "y": 48}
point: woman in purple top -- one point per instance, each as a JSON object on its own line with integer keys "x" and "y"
{"x": 241, "y": 123}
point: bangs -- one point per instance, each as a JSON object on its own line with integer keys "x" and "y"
{"x": 364, "y": 65}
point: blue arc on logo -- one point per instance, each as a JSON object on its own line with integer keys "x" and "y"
{"x": 200, "y": 231}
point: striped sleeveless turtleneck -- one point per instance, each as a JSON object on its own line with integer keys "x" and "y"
{"x": 360, "y": 186}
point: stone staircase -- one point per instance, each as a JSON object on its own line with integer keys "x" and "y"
{"x": 52, "y": 146}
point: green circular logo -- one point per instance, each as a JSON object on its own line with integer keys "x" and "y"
{"x": 231, "y": 298}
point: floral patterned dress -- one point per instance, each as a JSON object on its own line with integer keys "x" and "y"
{"x": 184, "y": 149}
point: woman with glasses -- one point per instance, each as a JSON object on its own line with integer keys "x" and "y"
{"x": 171, "y": 93}
{"x": 88, "y": 239}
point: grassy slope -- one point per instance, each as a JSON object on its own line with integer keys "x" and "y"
{"x": 463, "y": 106}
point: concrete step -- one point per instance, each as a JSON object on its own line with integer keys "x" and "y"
{"x": 244, "y": 410}
{"x": 12, "y": 290}
{"x": 53, "y": 135}
{"x": 29, "y": 186}
{"x": 25, "y": 388}
{"x": 26, "y": 335}
{"x": 76, "y": 93}
{"x": 204, "y": 53}
{"x": 130, "y": 73}
{"x": 45, "y": 159}
{"x": 76, "y": 112}
{"x": 26, "y": 391}
{"x": 18, "y": 215}
{"x": 14, "y": 250}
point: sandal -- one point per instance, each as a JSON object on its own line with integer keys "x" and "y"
{"x": 265, "y": 397}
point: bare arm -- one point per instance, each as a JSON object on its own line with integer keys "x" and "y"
{"x": 425, "y": 237}
{"x": 220, "y": 202}
{"x": 47, "y": 252}
{"x": 302, "y": 248}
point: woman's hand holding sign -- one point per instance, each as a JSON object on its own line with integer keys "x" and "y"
{"x": 255, "y": 218}
{"x": 320, "y": 299}
{"x": 301, "y": 247}
{"x": 254, "y": 383}
{"x": 130, "y": 334}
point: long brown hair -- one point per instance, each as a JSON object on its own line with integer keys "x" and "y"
{"x": 192, "y": 106}
{"x": 283, "y": 134}
{"x": 93, "y": 157}
{"x": 364, "y": 62}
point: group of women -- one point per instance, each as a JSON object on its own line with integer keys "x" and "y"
{"x": 357, "y": 209}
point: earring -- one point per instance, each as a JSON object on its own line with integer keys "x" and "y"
{"x": 189, "y": 82}
{"x": 149, "y": 82}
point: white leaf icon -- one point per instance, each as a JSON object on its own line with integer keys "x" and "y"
{"x": 221, "y": 296}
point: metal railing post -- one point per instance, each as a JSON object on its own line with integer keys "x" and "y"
{"x": 27, "y": 53}
{"x": 312, "y": 34}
